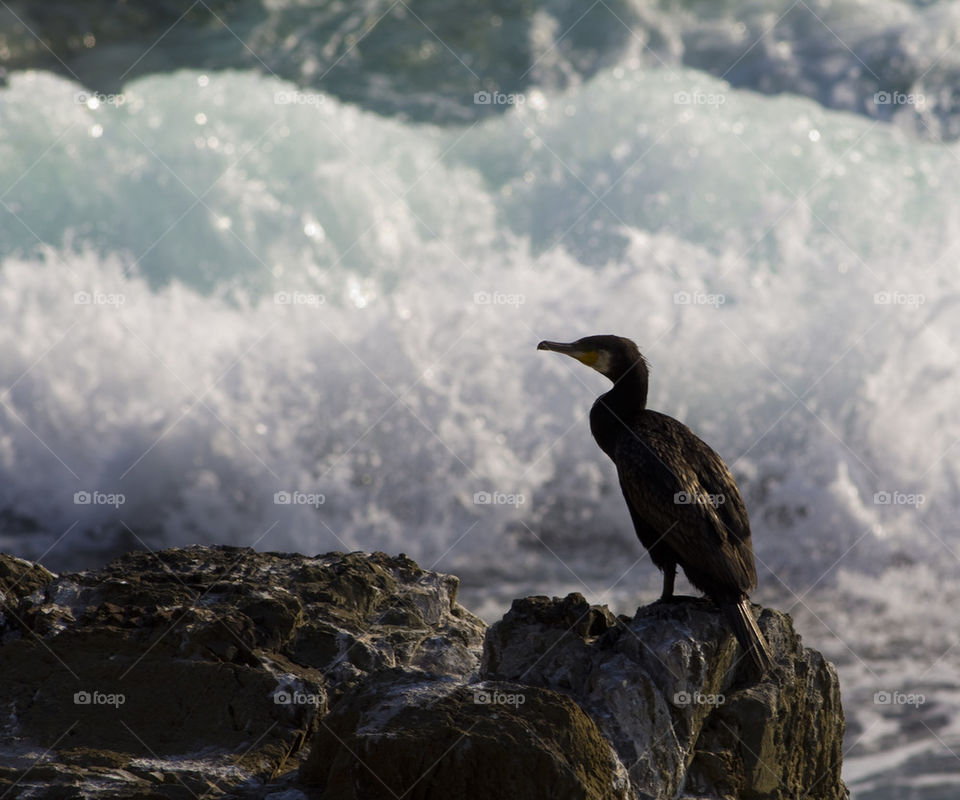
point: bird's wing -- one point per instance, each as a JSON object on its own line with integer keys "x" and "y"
{"x": 687, "y": 495}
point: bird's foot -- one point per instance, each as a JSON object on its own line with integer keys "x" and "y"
{"x": 673, "y": 599}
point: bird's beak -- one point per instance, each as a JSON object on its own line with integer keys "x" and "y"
{"x": 558, "y": 347}
{"x": 588, "y": 357}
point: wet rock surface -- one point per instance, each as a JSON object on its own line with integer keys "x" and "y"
{"x": 223, "y": 672}
{"x": 671, "y": 690}
{"x": 195, "y": 670}
{"x": 399, "y": 736}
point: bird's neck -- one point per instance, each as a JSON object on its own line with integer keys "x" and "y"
{"x": 613, "y": 412}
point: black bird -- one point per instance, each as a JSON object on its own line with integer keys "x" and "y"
{"x": 684, "y": 503}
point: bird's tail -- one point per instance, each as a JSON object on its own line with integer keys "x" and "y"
{"x": 748, "y": 634}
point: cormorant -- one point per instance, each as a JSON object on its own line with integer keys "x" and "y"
{"x": 684, "y": 503}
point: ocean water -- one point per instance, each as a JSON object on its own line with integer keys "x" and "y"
{"x": 276, "y": 278}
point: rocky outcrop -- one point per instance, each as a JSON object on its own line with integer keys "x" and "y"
{"x": 195, "y": 670}
{"x": 402, "y": 736}
{"x": 229, "y": 673}
{"x": 673, "y": 693}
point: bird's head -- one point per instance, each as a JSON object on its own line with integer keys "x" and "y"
{"x": 613, "y": 356}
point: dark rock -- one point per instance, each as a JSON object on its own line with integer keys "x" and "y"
{"x": 198, "y": 668}
{"x": 401, "y": 735}
{"x": 671, "y": 691}
{"x": 19, "y": 577}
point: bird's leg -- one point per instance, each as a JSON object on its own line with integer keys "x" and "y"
{"x": 669, "y": 573}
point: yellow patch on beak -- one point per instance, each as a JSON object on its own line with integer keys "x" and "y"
{"x": 590, "y": 357}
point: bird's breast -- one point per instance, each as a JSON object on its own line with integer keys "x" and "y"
{"x": 605, "y": 426}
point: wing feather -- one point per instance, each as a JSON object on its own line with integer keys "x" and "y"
{"x": 682, "y": 491}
